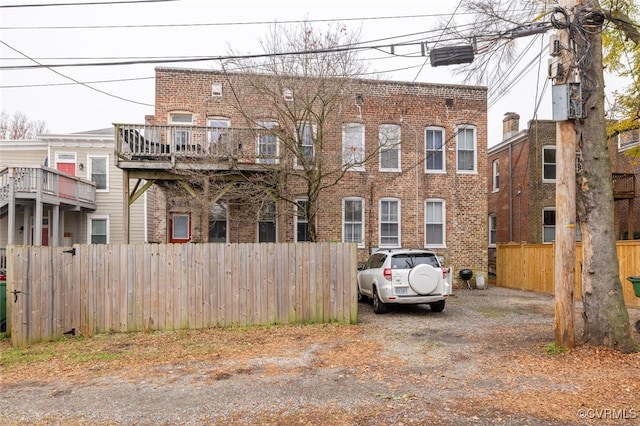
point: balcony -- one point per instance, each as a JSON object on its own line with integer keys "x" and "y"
{"x": 624, "y": 186}
{"x": 173, "y": 148}
{"x": 45, "y": 185}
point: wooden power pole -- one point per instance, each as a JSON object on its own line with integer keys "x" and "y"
{"x": 565, "y": 246}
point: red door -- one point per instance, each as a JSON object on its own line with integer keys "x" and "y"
{"x": 66, "y": 185}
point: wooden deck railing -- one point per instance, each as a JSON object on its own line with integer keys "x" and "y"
{"x": 46, "y": 184}
{"x": 174, "y": 144}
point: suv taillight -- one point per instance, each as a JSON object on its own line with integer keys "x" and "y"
{"x": 444, "y": 272}
{"x": 387, "y": 274}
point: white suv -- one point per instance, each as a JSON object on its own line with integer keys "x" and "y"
{"x": 404, "y": 276}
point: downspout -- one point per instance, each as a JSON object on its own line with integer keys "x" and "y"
{"x": 510, "y": 195}
{"x": 145, "y": 209}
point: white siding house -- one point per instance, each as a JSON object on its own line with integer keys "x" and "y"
{"x": 55, "y": 166}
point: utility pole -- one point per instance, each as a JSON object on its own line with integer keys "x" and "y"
{"x": 566, "y": 98}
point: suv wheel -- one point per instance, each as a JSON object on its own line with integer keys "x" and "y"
{"x": 437, "y": 306}
{"x": 378, "y": 306}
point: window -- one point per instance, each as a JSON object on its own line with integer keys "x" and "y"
{"x": 306, "y": 134}
{"x": 267, "y": 223}
{"x": 99, "y": 172}
{"x": 389, "y": 223}
{"x": 98, "y": 229}
{"x": 218, "y": 223}
{"x": 267, "y": 143}
{"x": 466, "y": 137}
{"x": 353, "y": 221}
{"x": 216, "y": 89}
{"x": 180, "y": 228}
{"x": 496, "y": 175}
{"x": 492, "y": 231}
{"x": 434, "y": 219}
{"x": 548, "y": 225}
{"x": 287, "y": 94}
{"x": 302, "y": 221}
{"x": 181, "y": 133}
{"x": 549, "y": 163}
{"x": 434, "y": 149}
{"x": 353, "y": 146}
{"x": 389, "y": 135}
{"x": 217, "y": 135}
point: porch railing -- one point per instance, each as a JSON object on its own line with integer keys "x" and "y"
{"x": 170, "y": 143}
{"x": 27, "y": 182}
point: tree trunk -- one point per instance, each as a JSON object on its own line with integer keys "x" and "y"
{"x": 605, "y": 314}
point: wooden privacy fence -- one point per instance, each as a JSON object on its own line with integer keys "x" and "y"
{"x": 532, "y": 266}
{"x": 142, "y": 287}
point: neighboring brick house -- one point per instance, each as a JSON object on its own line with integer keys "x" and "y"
{"x": 521, "y": 185}
{"x": 625, "y": 158}
{"x": 401, "y": 200}
{"x": 522, "y": 171}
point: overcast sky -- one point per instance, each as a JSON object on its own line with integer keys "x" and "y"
{"x": 131, "y": 32}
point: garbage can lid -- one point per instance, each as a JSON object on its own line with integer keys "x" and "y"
{"x": 636, "y": 278}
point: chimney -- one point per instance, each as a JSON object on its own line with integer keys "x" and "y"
{"x": 510, "y": 125}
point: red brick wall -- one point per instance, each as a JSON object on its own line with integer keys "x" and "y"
{"x": 415, "y": 106}
{"x": 519, "y": 202}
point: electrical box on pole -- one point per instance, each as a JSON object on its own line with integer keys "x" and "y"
{"x": 567, "y": 101}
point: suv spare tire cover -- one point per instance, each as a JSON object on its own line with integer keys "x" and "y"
{"x": 423, "y": 279}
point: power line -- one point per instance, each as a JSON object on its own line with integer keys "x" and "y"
{"x": 76, "y": 81}
{"x": 95, "y": 3}
{"x": 222, "y": 24}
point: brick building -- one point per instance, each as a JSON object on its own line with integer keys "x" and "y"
{"x": 521, "y": 184}
{"x": 427, "y": 188}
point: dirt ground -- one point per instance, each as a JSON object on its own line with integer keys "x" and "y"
{"x": 485, "y": 360}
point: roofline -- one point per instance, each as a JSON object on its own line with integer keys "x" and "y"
{"x": 362, "y": 80}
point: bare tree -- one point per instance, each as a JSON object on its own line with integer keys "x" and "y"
{"x": 305, "y": 84}
{"x": 605, "y": 314}
{"x": 19, "y": 127}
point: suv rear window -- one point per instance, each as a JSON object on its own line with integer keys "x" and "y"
{"x": 409, "y": 260}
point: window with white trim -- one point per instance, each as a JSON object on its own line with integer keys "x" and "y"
{"x": 216, "y": 89}
{"x": 389, "y": 222}
{"x": 267, "y": 143}
{"x": 434, "y": 223}
{"x": 98, "y": 171}
{"x": 267, "y": 224}
{"x": 493, "y": 230}
{"x": 218, "y": 223}
{"x": 217, "y": 135}
{"x": 353, "y": 146}
{"x": 549, "y": 163}
{"x": 302, "y": 221}
{"x": 495, "y": 166}
{"x": 389, "y": 136}
{"x": 181, "y": 133}
{"x": 434, "y": 149}
{"x": 180, "y": 228}
{"x": 353, "y": 221}
{"x": 306, "y": 135}
{"x": 548, "y": 224}
{"x": 98, "y": 229}
{"x": 466, "y": 149}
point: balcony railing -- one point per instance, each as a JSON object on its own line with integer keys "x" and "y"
{"x": 624, "y": 186}
{"x": 49, "y": 184}
{"x": 171, "y": 144}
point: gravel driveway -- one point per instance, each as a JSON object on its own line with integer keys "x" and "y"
{"x": 483, "y": 360}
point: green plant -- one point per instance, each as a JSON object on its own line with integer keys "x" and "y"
{"x": 554, "y": 349}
